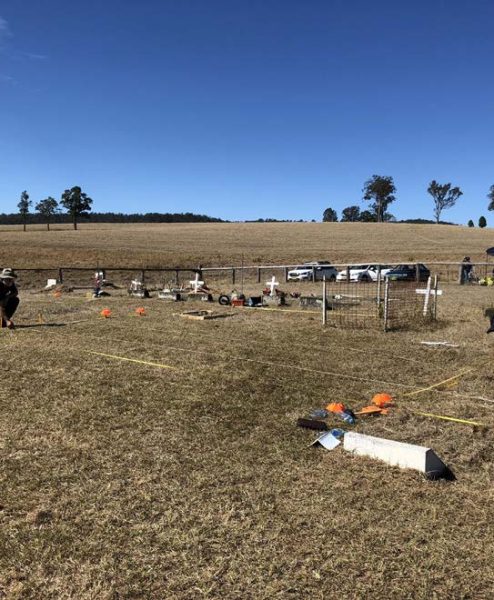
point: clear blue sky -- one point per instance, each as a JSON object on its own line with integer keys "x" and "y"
{"x": 247, "y": 108}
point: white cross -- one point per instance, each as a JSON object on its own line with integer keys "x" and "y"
{"x": 196, "y": 284}
{"x": 272, "y": 285}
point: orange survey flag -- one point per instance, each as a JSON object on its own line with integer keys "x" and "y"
{"x": 369, "y": 410}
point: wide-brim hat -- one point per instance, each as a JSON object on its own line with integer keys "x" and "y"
{"x": 8, "y": 274}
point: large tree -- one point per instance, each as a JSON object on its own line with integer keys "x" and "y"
{"x": 490, "y": 195}
{"x": 330, "y": 215}
{"x": 350, "y": 214}
{"x": 47, "y": 208}
{"x": 444, "y": 196}
{"x": 380, "y": 192}
{"x": 77, "y": 203}
{"x": 482, "y": 222}
{"x": 368, "y": 216}
{"x": 23, "y": 207}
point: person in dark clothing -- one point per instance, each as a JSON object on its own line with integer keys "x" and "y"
{"x": 466, "y": 270}
{"x": 489, "y": 313}
{"x": 9, "y": 300}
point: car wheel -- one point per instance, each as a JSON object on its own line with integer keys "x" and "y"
{"x": 365, "y": 279}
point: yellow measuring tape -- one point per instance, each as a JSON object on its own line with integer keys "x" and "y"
{"x": 424, "y": 414}
{"x": 134, "y": 360}
{"x": 441, "y": 383}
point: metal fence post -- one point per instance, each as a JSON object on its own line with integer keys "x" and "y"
{"x": 324, "y": 300}
{"x": 434, "y": 315}
{"x": 378, "y": 286}
{"x": 60, "y": 275}
{"x": 386, "y": 304}
{"x": 258, "y": 274}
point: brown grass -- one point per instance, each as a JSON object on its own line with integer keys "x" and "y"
{"x": 214, "y": 244}
{"x": 121, "y": 480}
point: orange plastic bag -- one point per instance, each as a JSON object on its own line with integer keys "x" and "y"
{"x": 335, "y": 407}
{"x": 382, "y": 400}
{"x": 140, "y": 312}
{"x": 105, "y": 313}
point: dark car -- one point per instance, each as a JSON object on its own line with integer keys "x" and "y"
{"x": 409, "y": 273}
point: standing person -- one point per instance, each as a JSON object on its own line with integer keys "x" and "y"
{"x": 9, "y": 300}
{"x": 466, "y": 270}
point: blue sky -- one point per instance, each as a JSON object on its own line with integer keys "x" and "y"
{"x": 243, "y": 109}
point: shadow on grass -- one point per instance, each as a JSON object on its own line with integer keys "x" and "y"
{"x": 36, "y": 325}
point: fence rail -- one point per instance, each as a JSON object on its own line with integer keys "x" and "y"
{"x": 448, "y": 271}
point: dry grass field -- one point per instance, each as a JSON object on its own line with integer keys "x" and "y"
{"x": 215, "y": 244}
{"x": 187, "y": 477}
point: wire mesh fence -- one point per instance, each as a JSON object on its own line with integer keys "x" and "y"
{"x": 354, "y": 305}
{"x": 408, "y": 305}
{"x": 385, "y": 304}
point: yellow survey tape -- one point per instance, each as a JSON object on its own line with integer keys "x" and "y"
{"x": 134, "y": 360}
{"x": 424, "y": 414}
{"x": 436, "y": 385}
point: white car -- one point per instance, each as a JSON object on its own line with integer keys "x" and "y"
{"x": 364, "y": 273}
{"x": 319, "y": 269}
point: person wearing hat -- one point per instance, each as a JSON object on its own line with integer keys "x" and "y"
{"x": 9, "y": 300}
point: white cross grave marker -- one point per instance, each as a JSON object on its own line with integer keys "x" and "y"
{"x": 272, "y": 286}
{"x": 196, "y": 284}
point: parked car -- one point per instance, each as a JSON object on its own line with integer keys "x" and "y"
{"x": 363, "y": 273}
{"x": 319, "y": 268}
{"x": 409, "y": 273}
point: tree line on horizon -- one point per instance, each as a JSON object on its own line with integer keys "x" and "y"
{"x": 78, "y": 205}
{"x": 380, "y": 192}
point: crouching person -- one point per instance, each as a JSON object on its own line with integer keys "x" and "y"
{"x": 9, "y": 300}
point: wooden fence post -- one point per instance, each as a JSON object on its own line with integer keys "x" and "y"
{"x": 417, "y": 272}
{"x": 233, "y": 275}
{"x": 258, "y": 274}
{"x": 286, "y": 274}
{"x": 60, "y": 275}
